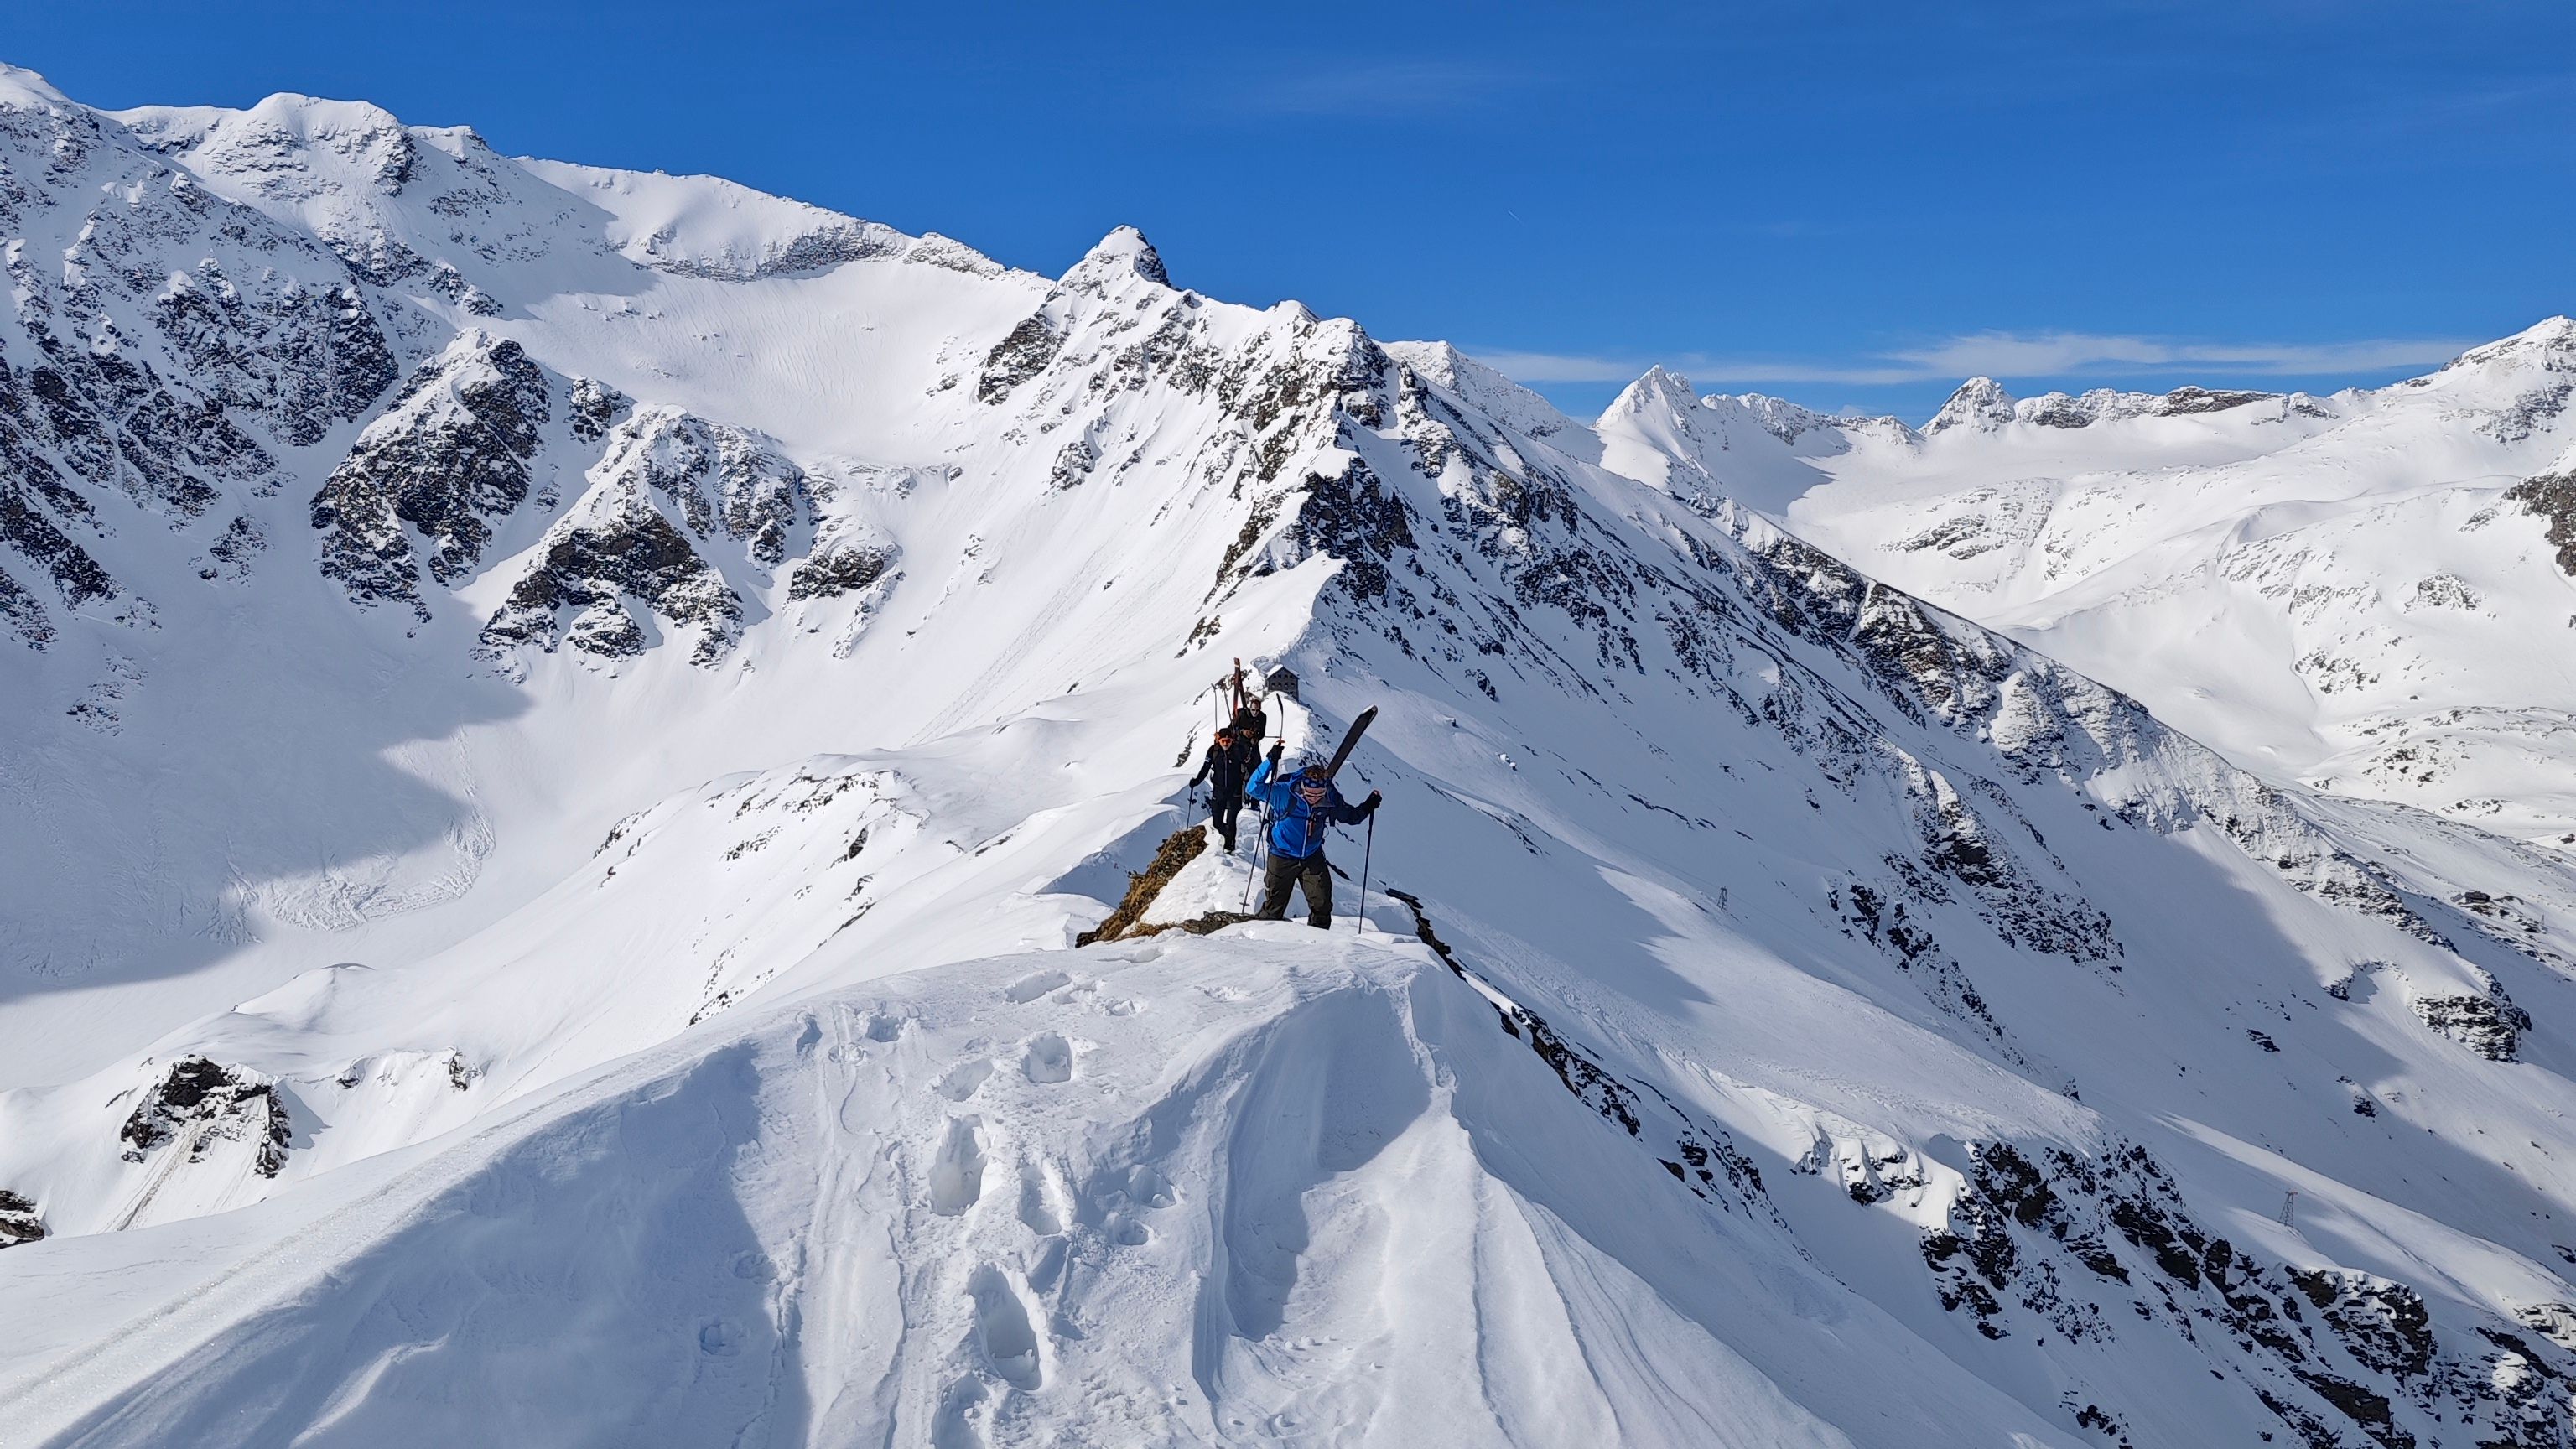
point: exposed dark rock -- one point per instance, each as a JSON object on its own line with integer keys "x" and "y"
{"x": 231, "y": 552}
{"x": 2384, "y": 1323}
{"x": 2552, "y": 497}
{"x": 1177, "y": 850}
{"x": 24, "y": 615}
{"x": 830, "y": 573}
{"x": 2489, "y": 1025}
{"x": 668, "y": 476}
{"x": 587, "y": 567}
{"x": 594, "y": 408}
{"x": 26, "y": 527}
{"x": 1073, "y": 463}
{"x": 452, "y": 454}
{"x": 1355, "y": 518}
{"x": 204, "y": 1102}
{"x": 19, "y": 1222}
{"x": 2370, "y": 1358}
{"x": 2184, "y": 401}
{"x": 1021, "y": 355}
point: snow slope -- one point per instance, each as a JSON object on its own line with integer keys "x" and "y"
{"x": 572, "y": 930}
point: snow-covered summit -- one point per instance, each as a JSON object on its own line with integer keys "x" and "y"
{"x": 1122, "y": 253}
{"x": 1980, "y": 404}
{"x": 21, "y": 88}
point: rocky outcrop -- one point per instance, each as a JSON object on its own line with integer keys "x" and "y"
{"x": 2101, "y": 1249}
{"x": 198, "y": 1102}
{"x": 453, "y": 453}
{"x": 669, "y": 482}
{"x": 1021, "y": 355}
{"x": 831, "y": 571}
{"x": 19, "y": 1221}
{"x": 2488, "y": 1024}
{"x": 2551, "y": 497}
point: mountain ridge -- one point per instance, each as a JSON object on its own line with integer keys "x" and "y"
{"x": 653, "y": 884}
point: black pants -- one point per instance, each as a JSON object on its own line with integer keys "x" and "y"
{"x": 1223, "y": 806}
{"x": 1313, "y": 873}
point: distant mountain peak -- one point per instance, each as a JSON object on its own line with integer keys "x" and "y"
{"x": 1657, "y": 387}
{"x": 1980, "y": 403}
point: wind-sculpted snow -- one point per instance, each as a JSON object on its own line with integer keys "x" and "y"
{"x": 628, "y": 990}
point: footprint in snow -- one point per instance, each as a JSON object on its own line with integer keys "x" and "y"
{"x": 964, "y": 1079}
{"x": 1049, "y": 1058}
{"x": 954, "y": 1428}
{"x": 1149, "y": 1186}
{"x": 957, "y": 1173}
{"x": 1002, "y": 1328}
{"x": 1038, "y": 1214}
{"x": 1030, "y": 988}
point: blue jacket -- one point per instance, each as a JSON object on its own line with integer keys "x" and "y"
{"x": 1297, "y": 829}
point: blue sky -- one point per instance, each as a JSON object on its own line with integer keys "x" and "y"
{"x": 1848, "y": 204}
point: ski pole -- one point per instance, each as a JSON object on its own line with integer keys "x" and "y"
{"x": 1260, "y": 855}
{"x": 1366, "y": 851}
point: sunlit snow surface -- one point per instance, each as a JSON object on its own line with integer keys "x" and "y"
{"x": 2342, "y": 590}
{"x": 587, "y": 957}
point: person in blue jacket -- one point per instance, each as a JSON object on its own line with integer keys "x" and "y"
{"x": 1303, "y": 807}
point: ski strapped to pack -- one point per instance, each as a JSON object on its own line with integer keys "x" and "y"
{"x": 1350, "y": 741}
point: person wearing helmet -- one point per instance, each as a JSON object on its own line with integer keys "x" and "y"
{"x": 1304, "y": 806}
{"x": 1223, "y": 773}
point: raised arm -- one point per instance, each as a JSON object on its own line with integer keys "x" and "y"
{"x": 1262, "y": 787}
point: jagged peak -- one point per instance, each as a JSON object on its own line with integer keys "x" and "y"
{"x": 1980, "y": 402}
{"x": 1122, "y": 253}
{"x": 1658, "y": 387}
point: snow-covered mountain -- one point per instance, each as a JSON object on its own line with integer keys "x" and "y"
{"x": 562, "y": 728}
{"x": 2361, "y": 592}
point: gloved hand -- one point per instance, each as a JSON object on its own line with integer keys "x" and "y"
{"x": 1277, "y": 748}
{"x": 1369, "y": 806}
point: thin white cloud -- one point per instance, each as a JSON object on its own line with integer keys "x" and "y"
{"x": 1556, "y": 366}
{"x": 2056, "y": 354}
{"x": 2009, "y": 355}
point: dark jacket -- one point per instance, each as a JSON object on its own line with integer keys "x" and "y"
{"x": 1297, "y": 829}
{"x": 1224, "y": 769}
